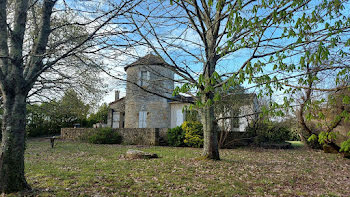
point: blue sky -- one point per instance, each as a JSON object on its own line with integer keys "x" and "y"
{"x": 228, "y": 64}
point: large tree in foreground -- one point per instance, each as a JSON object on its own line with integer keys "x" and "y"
{"x": 23, "y": 60}
{"x": 260, "y": 38}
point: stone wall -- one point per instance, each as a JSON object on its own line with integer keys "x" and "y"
{"x": 116, "y": 106}
{"x": 75, "y": 133}
{"x": 159, "y": 80}
{"x": 137, "y": 136}
{"x": 148, "y": 136}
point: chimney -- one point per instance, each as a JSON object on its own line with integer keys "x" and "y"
{"x": 116, "y": 95}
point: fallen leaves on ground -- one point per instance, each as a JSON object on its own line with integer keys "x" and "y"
{"x": 81, "y": 169}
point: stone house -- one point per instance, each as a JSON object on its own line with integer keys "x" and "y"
{"x": 150, "y": 81}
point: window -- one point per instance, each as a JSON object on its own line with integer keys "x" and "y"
{"x": 179, "y": 117}
{"x": 144, "y": 78}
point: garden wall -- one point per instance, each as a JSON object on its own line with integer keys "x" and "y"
{"x": 139, "y": 136}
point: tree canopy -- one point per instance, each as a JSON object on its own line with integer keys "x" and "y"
{"x": 220, "y": 44}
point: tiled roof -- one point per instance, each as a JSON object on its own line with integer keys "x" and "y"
{"x": 181, "y": 99}
{"x": 116, "y": 101}
{"x": 149, "y": 59}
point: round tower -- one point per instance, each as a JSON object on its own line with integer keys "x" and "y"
{"x": 148, "y": 78}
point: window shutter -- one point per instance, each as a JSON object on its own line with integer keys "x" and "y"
{"x": 146, "y": 82}
{"x": 142, "y": 119}
{"x": 139, "y": 78}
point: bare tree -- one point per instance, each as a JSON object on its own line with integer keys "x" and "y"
{"x": 23, "y": 60}
{"x": 74, "y": 72}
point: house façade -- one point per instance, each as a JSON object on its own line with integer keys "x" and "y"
{"x": 150, "y": 83}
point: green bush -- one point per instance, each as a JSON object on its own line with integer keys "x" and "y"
{"x": 193, "y": 133}
{"x": 294, "y": 134}
{"x": 345, "y": 146}
{"x": 176, "y": 136}
{"x": 105, "y": 136}
{"x": 311, "y": 140}
{"x": 270, "y": 133}
{"x": 44, "y": 129}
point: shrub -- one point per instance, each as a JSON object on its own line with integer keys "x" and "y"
{"x": 310, "y": 140}
{"x": 294, "y": 134}
{"x": 105, "y": 136}
{"x": 45, "y": 128}
{"x": 270, "y": 133}
{"x": 176, "y": 136}
{"x": 193, "y": 133}
{"x": 345, "y": 146}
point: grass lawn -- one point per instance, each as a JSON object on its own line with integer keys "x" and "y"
{"x": 296, "y": 144}
{"x": 80, "y": 169}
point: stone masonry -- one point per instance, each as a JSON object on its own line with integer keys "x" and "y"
{"x": 139, "y": 136}
{"x": 151, "y": 73}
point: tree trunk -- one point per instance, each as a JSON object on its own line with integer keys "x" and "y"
{"x": 210, "y": 146}
{"x": 12, "y": 177}
{"x": 305, "y": 131}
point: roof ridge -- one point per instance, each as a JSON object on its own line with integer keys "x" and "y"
{"x": 149, "y": 59}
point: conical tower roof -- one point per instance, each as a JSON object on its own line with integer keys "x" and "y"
{"x": 149, "y": 59}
